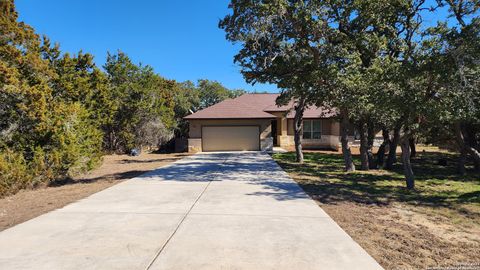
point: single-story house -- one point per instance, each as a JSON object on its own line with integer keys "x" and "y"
{"x": 254, "y": 122}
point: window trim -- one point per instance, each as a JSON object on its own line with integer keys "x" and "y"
{"x": 311, "y": 131}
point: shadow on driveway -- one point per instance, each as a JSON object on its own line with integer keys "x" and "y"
{"x": 253, "y": 168}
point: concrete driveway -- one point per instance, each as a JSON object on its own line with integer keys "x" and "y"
{"x": 207, "y": 211}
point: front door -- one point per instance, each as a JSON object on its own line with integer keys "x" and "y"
{"x": 274, "y": 132}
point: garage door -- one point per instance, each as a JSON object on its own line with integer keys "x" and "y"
{"x": 231, "y": 138}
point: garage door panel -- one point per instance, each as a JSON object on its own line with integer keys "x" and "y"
{"x": 230, "y": 138}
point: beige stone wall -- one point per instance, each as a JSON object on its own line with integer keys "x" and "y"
{"x": 290, "y": 127}
{"x": 194, "y": 145}
{"x": 326, "y": 142}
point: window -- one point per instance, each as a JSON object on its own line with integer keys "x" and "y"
{"x": 312, "y": 129}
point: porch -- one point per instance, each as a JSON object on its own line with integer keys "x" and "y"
{"x": 321, "y": 132}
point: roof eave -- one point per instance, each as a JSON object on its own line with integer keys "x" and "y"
{"x": 228, "y": 118}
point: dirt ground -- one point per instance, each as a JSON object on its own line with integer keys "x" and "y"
{"x": 401, "y": 237}
{"x": 28, "y": 204}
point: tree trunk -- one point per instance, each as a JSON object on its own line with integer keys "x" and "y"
{"x": 472, "y": 143}
{"x": 381, "y": 150}
{"x": 461, "y": 161}
{"x": 413, "y": 148}
{"x": 297, "y": 125}
{"x": 392, "y": 152}
{"x": 347, "y": 153}
{"x": 461, "y": 148}
{"x": 111, "y": 140}
{"x": 370, "y": 141}
{"x": 298, "y": 146}
{"x": 464, "y": 146}
{"x": 476, "y": 157}
{"x": 407, "y": 166}
{"x": 476, "y": 162}
{"x": 470, "y": 134}
{"x": 363, "y": 146}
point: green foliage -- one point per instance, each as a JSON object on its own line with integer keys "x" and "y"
{"x": 212, "y": 92}
{"x": 58, "y": 112}
{"x": 45, "y": 130}
{"x": 137, "y": 96}
{"x": 187, "y": 101}
{"x": 373, "y": 60}
{"x": 14, "y": 174}
{"x": 454, "y": 54}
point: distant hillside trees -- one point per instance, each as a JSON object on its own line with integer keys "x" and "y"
{"x": 212, "y": 92}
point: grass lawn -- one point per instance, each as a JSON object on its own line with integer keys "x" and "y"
{"x": 437, "y": 224}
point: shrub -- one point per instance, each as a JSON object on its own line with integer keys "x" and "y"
{"x": 14, "y": 173}
{"x": 152, "y": 133}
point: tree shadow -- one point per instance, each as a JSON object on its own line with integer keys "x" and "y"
{"x": 249, "y": 168}
{"x": 114, "y": 176}
{"x": 322, "y": 177}
{"x": 124, "y": 175}
{"x": 281, "y": 191}
{"x": 129, "y": 161}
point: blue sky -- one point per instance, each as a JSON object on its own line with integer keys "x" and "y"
{"x": 180, "y": 39}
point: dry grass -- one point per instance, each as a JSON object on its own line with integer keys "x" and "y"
{"x": 438, "y": 224}
{"x": 28, "y": 204}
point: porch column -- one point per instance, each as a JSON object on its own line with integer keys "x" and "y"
{"x": 282, "y": 131}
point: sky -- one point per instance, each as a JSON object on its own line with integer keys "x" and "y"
{"x": 179, "y": 39}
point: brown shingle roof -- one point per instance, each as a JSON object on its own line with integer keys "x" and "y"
{"x": 253, "y": 106}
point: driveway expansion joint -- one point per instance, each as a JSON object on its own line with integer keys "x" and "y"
{"x": 183, "y": 218}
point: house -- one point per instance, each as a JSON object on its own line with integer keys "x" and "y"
{"x": 254, "y": 122}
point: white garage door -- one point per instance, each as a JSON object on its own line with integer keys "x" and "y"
{"x": 230, "y": 138}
